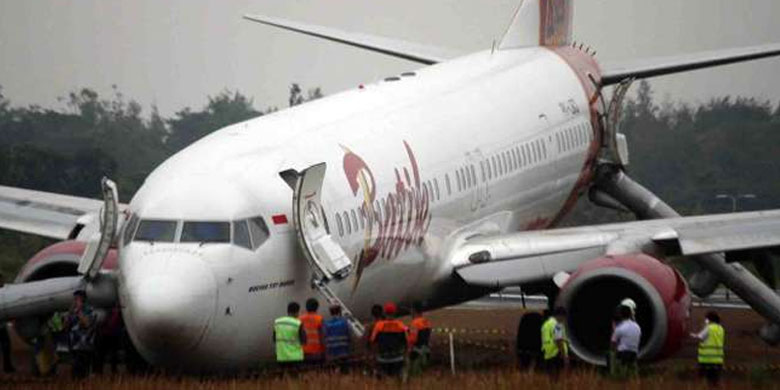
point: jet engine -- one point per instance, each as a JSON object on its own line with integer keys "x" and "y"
{"x": 594, "y": 291}
{"x": 57, "y": 263}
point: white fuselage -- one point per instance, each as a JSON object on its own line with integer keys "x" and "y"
{"x": 496, "y": 140}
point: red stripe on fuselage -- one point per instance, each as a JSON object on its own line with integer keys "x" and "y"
{"x": 583, "y": 65}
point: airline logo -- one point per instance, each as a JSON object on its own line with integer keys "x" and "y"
{"x": 397, "y": 219}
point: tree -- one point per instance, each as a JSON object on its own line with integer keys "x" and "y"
{"x": 225, "y": 109}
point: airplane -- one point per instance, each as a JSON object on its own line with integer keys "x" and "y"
{"x": 438, "y": 185}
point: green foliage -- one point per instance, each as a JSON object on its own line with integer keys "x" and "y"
{"x": 68, "y": 151}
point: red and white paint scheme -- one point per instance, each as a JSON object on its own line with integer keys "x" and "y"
{"x": 442, "y": 184}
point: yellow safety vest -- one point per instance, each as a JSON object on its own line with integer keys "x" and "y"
{"x": 288, "y": 342}
{"x": 549, "y": 346}
{"x": 711, "y": 349}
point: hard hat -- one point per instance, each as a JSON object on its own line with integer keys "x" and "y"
{"x": 390, "y": 308}
{"x": 628, "y": 302}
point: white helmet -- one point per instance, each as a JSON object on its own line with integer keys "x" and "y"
{"x": 628, "y": 302}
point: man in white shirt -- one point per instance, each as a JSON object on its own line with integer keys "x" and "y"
{"x": 625, "y": 341}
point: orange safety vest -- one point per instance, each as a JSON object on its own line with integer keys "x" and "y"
{"x": 388, "y": 326}
{"x": 418, "y": 324}
{"x": 391, "y": 338}
{"x": 312, "y": 325}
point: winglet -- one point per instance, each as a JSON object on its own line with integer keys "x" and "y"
{"x": 409, "y": 51}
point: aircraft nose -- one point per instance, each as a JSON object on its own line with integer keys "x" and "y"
{"x": 170, "y": 306}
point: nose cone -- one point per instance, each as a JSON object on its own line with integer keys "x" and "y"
{"x": 170, "y": 303}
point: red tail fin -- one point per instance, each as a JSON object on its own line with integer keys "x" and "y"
{"x": 540, "y": 23}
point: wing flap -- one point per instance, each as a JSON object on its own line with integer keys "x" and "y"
{"x": 525, "y": 257}
{"x": 614, "y": 73}
{"x": 423, "y": 54}
{"x": 696, "y": 240}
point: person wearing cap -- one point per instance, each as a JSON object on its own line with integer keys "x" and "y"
{"x": 419, "y": 339}
{"x": 337, "y": 337}
{"x": 390, "y": 337}
{"x": 555, "y": 346}
{"x": 289, "y": 337}
{"x": 625, "y": 342}
{"x": 629, "y": 303}
{"x": 80, "y": 324}
{"x": 314, "y": 348}
{"x": 712, "y": 339}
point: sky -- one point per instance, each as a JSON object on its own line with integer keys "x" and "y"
{"x": 174, "y": 53}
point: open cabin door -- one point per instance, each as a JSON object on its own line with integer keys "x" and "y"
{"x": 100, "y": 242}
{"x": 325, "y": 256}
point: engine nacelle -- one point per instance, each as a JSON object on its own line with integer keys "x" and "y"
{"x": 591, "y": 295}
{"x": 57, "y": 260}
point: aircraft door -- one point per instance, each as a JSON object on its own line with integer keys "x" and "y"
{"x": 324, "y": 254}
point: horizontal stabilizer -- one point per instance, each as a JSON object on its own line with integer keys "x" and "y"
{"x": 423, "y": 54}
{"x": 614, "y": 73}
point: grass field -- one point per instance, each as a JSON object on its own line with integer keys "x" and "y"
{"x": 496, "y": 378}
{"x": 484, "y": 342}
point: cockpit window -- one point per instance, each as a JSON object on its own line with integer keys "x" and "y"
{"x": 156, "y": 231}
{"x": 241, "y": 235}
{"x": 258, "y": 230}
{"x": 213, "y": 232}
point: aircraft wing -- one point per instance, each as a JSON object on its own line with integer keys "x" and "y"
{"x": 423, "y": 54}
{"x": 526, "y": 257}
{"x": 616, "y": 72}
{"x": 43, "y": 213}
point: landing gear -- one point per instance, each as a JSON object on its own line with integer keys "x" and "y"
{"x": 613, "y": 186}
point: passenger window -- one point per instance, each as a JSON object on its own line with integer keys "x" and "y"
{"x": 495, "y": 168}
{"x": 241, "y": 235}
{"x": 156, "y": 231}
{"x": 447, "y": 182}
{"x": 473, "y": 174}
{"x": 130, "y": 226}
{"x": 544, "y": 150}
{"x": 347, "y": 225}
{"x": 341, "y": 225}
{"x": 354, "y": 219}
{"x": 378, "y": 211}
{"x": 515, "y": 160}
{"x": 489, "y": 171}
{"x": 482, "y": 170}
{"x": 362, "y": 217}
{"x": 436, "y": 185}
{"x": 457, "y": 176}
{"x": 503, "y": 162}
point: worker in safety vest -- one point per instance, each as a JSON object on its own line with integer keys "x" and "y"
{"x": 711, "y": 354}
{"x": 314, "y": 349}
{"x": 419, "y": 339}
{"x": 289, "y": 337}
{"x": 555, "y": 346}
{"x": 338, "y": 344}
{"x": 390, "y": 338}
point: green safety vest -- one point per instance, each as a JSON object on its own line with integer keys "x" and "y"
{"x": 549, "y": 346}
{"x": 711, "y": 349}
{"x": 288, "y": 342}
